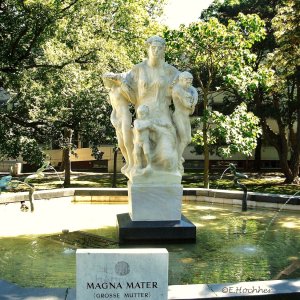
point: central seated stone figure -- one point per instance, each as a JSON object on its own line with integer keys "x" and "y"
{"x": 153, "y": 144}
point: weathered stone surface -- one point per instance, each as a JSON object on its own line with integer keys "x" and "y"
{"x": 122, "y": 274}
{"x": 159, "y": 135}
{"x": 155, "y": 202}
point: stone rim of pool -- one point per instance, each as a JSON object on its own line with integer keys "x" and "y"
{"x": 272, "y": 289}
{"x": 115, "y": 195}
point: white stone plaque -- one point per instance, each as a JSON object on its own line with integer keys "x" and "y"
{"x": 122, "y": 274}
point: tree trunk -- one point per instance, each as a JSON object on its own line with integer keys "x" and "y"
{"x": 291, "y": 171}
{"x": 206, "y": 159}
{"x": 67, "y": 156}
{"x": 295, "y": 151}
{"x": 257, "y": 155}
{"x": 285, "y": 168}
{"x": 283, "y": 146}
{"x": 205, "y": 143}
{"x": 258, "y": 99}
{"x": 283, "y": 153}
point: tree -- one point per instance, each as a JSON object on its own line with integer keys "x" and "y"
{"x": 278, "y": 58}
{"x": 266, "y": 10}
{"x": 52, "y": 56}
{"x": 216, "y": 55}
{"x": 285, "y": 61}
{"x": 229, "y": 134}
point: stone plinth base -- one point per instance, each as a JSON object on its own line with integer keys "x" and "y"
{"x": 132, "y": 232}
{"x": 155, "y": 202}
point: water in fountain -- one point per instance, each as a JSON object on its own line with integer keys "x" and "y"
{"x": 227, "y": 250}
{"x": 39, "y": 174}
{"x": 6, "y": 183}
{"x": 215, "y": 190}
{"x": 252, "y": 249}
{"x": 224, "y": 172}
{"x": 69, "y": 251}
{"x": 221, "y": 179}
{"x": 246, "y": 249}
{"x": 276, "y": 215}
{"x": 245, "y": 260}
{"x": 241, "y": 232}
{"x": 211, "y": 203}
{"x": 14, "y": 184}
{"x": 57, "y": 174}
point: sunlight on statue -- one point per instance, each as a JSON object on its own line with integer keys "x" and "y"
{"x": 185, "y": 98}
{"x": 142, "y": 127}
{"x": 154, "y": 143}
{"x": 121, "y": 117}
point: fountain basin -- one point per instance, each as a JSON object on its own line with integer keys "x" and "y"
{"x": 228, "y": 247}
{"x": 226, "y": 238}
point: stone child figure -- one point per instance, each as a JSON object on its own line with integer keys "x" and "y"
{"x": 142, "y": 127}
{"x": 121, "y": 117}
{"x": 185, "y": 98}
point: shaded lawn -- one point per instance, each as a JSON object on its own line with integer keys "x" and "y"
{"x": 78, "y": 179}
{"x": 256, "y": 182}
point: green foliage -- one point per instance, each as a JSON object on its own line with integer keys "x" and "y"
{"x": 213, "y": 48}
{"x": 224, "y": 10}
{"x": 19, "y": 141}
{"x": 230, "y": 134}
{"x": 219, "y": 57}
{"x": 273, "y": 93}
{"x": 52, "y": 56}
{"x": 286, "y": 57}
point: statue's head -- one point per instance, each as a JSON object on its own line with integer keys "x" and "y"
{"x": 142, "y": 111}
{"x": 156, "y": 47}
{"x": 185, "y": 79}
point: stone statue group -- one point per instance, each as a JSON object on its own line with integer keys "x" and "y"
{"x": 154, "y": 143}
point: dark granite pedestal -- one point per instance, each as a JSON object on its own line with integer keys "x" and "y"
{"x": 147, "y": 232}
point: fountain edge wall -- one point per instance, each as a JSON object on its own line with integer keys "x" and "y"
{"x": 120, "y": 195}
